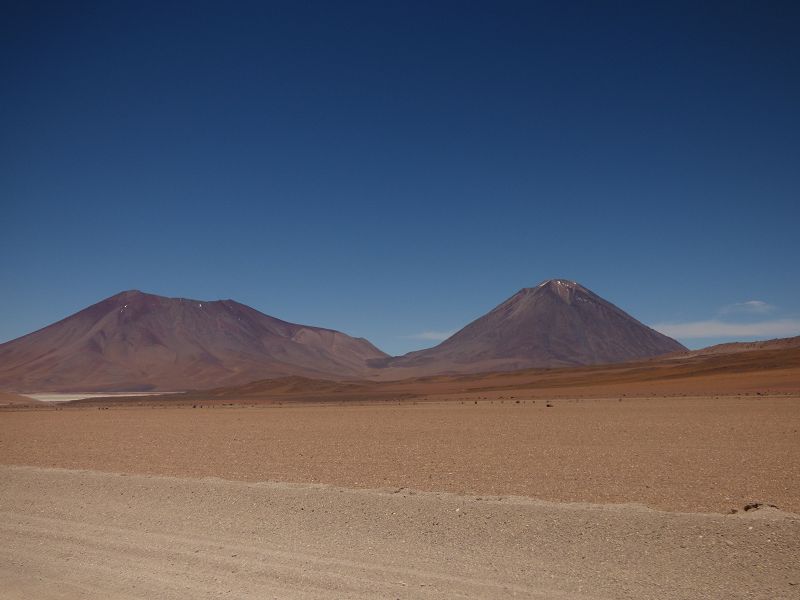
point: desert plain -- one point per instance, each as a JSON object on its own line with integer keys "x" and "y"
{"x": 436, "y": 488}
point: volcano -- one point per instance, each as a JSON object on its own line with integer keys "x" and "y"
{"x": 558, "y": 323}
{"x": 135, "y": 341}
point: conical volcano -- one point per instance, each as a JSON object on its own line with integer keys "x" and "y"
{"x": 555, "y": 324}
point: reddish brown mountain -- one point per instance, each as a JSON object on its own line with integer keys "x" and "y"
{"x": 137, "y": 341}
{"x": 556, "y": 324}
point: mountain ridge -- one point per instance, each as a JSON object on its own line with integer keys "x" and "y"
{"x": 137, "y": 341}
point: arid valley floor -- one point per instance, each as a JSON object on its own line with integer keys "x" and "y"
{"x": 480, "y": 496}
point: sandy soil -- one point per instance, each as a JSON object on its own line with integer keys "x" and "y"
{"x": 427, "y": 500}
{"x": 86, "y": 534}
{"x": 684, "y": 454}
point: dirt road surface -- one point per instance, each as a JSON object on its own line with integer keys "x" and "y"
{"x": 86, "y": 534}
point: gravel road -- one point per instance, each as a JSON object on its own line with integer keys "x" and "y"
{"x": 68, "y": 534}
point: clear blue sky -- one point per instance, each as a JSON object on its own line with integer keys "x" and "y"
{"x": 392, "y": 169}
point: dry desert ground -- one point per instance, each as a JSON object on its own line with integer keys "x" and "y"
{"x": 586, "y": 498}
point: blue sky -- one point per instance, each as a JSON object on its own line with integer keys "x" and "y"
{"x": 395, "y": 170}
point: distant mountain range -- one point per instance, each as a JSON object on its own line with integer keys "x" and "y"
{"x": 135, "y": 341}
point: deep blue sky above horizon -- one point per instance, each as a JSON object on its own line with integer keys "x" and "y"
{"x": 395, "y": 170}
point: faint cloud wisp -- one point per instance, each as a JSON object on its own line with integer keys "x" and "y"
{"x": 753, "y": 307}
{"x": 721, "y": 329}
{"x": 738, "y": 320}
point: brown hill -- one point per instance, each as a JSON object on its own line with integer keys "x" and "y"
{"x": 9, "y": 399}
{"x": 558, "y": 323}
{"x": 761, "y": 370}
{"x": 287, "y": 386}
{"x": 758, "y": 370}
{"x": 136, "y": 341}
{"x": 734, "y": 347}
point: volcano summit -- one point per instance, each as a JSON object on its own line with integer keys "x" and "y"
{"x": 558, "y": 323}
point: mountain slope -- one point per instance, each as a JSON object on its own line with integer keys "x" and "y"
{"x": 558, "y": 323}
{"x": 137, "y": 341}
{"x": 737, "y": 347}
